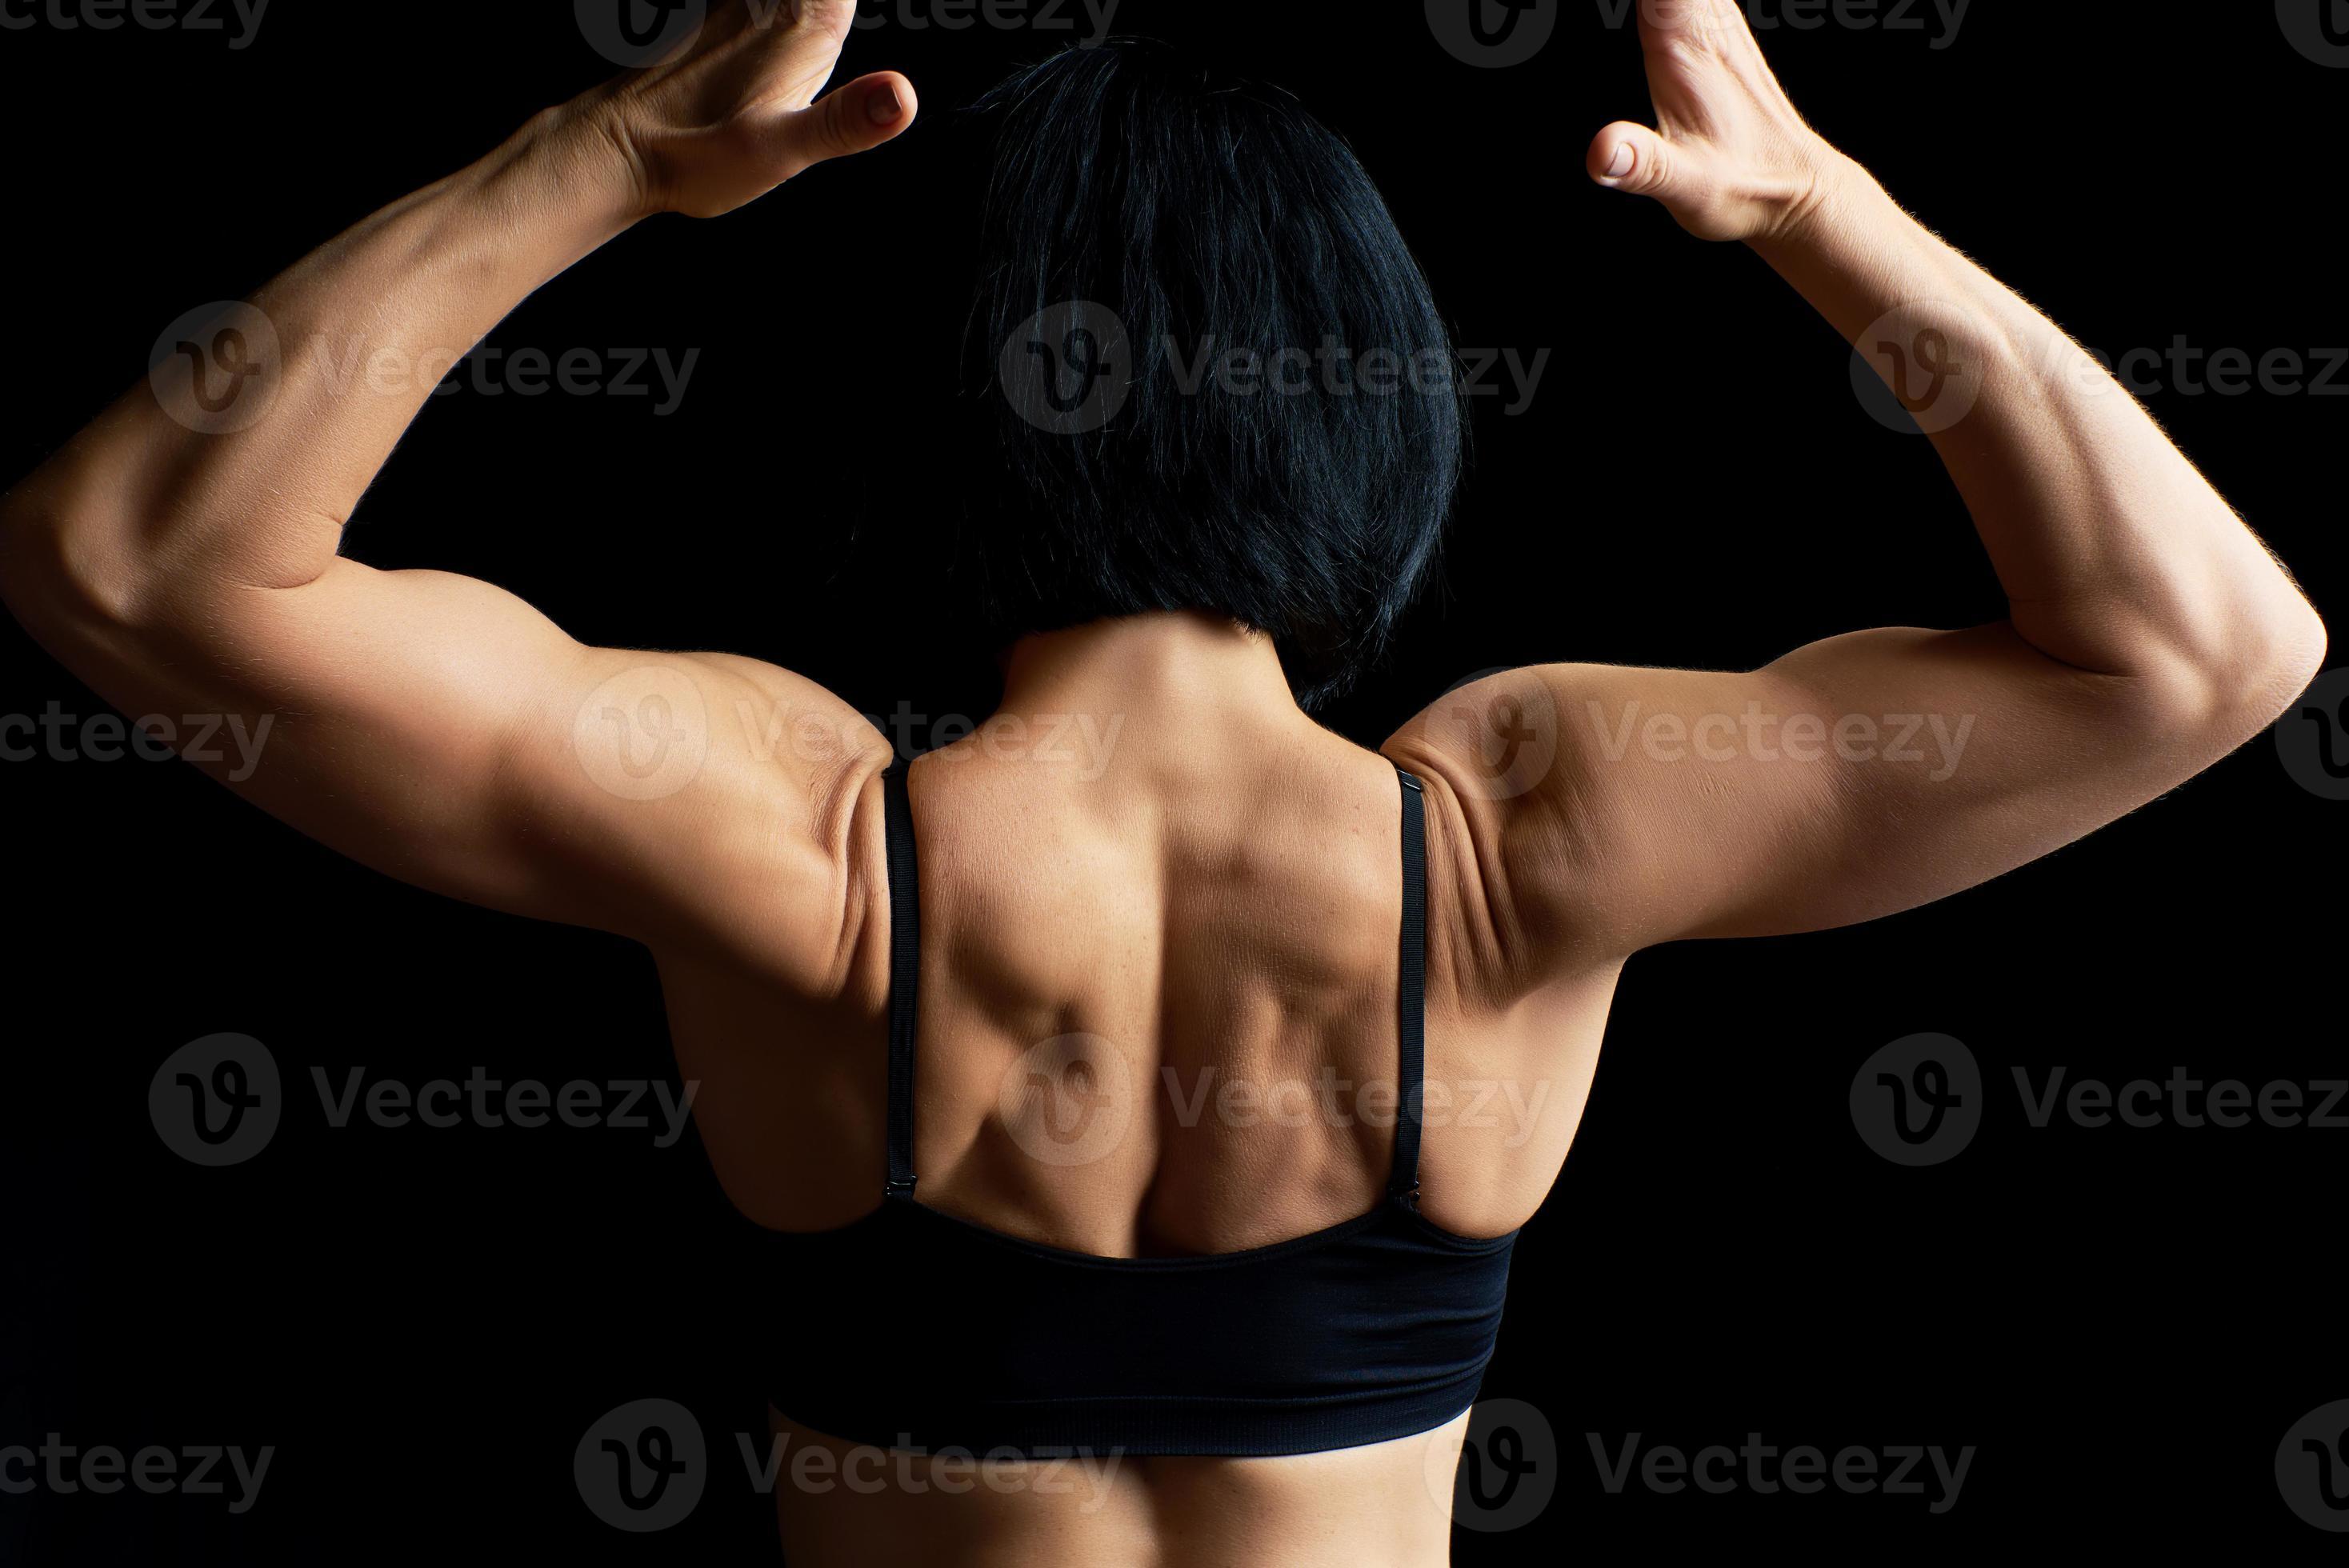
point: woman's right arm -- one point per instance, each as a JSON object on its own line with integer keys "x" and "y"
{"x": 2149, "y": 633}
{"x": 182, "y": 553}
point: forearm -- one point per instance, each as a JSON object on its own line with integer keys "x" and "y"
{"x": 144, "y": 510}
{"x": 2116, "y": 554}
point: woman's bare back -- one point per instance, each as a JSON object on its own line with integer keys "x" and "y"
{"x": 1159, "y": 974}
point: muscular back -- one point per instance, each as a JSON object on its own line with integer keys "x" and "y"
{"x": 1158, "y": 1005}
{"x": 1158, "y": 1016}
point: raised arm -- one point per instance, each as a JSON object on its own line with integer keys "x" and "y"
{"x": 2150, "y": 632}
{"x": 180, "y": 553}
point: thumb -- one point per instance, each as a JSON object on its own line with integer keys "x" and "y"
{"x": 852, "y": 118}
{"x": 1629, "y": 157}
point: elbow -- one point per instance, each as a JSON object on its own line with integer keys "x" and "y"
{"x": 33, "y": 577}
{"x": 2294, "y": 652}
{"x": 2230, "y": 690}
{"x": 51, "y": 577}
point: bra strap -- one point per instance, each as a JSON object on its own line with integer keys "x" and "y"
{"x": 1410, "y": 1020}
{"x": 904, "y": 973}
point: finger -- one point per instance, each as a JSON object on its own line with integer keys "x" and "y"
{"x": 1629, "y": 157}
{"x": 849, "y": 120}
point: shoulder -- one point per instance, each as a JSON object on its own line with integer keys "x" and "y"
{"x": 1523, "y": 824}
{"x": 745, "y": 803}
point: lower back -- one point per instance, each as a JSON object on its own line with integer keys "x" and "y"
{"x": 1385, "y": 1505}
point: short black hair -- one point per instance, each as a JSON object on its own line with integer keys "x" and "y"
{"x": 1138, "y": 194}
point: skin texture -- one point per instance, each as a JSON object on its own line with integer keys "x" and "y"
{"x": 1213, "y": 889}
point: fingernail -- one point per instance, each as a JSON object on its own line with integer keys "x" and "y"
{"x": 885, "y": 106}
{"x": 1622, "y": 164}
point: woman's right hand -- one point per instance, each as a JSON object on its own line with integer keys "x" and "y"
{"x": 1728, "y": 157}
{"x": 733, "y": 113}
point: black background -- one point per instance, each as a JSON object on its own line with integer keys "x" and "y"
{"x": 2123, "y": 1322}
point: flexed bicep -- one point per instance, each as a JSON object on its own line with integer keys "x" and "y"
{"x": 1614, "y": 809}
{"x": 444, "y": 732}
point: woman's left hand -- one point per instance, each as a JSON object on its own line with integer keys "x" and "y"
{"x": 1728, "y": 156}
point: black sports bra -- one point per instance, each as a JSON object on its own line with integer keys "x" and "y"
{"x": 910, "y": 1328}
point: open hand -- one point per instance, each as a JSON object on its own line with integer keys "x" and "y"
{"x": 1729, "y": 157}
{"x": 732, "y": 113}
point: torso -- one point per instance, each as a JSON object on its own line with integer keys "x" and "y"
{"x": 1216, "y": 925}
